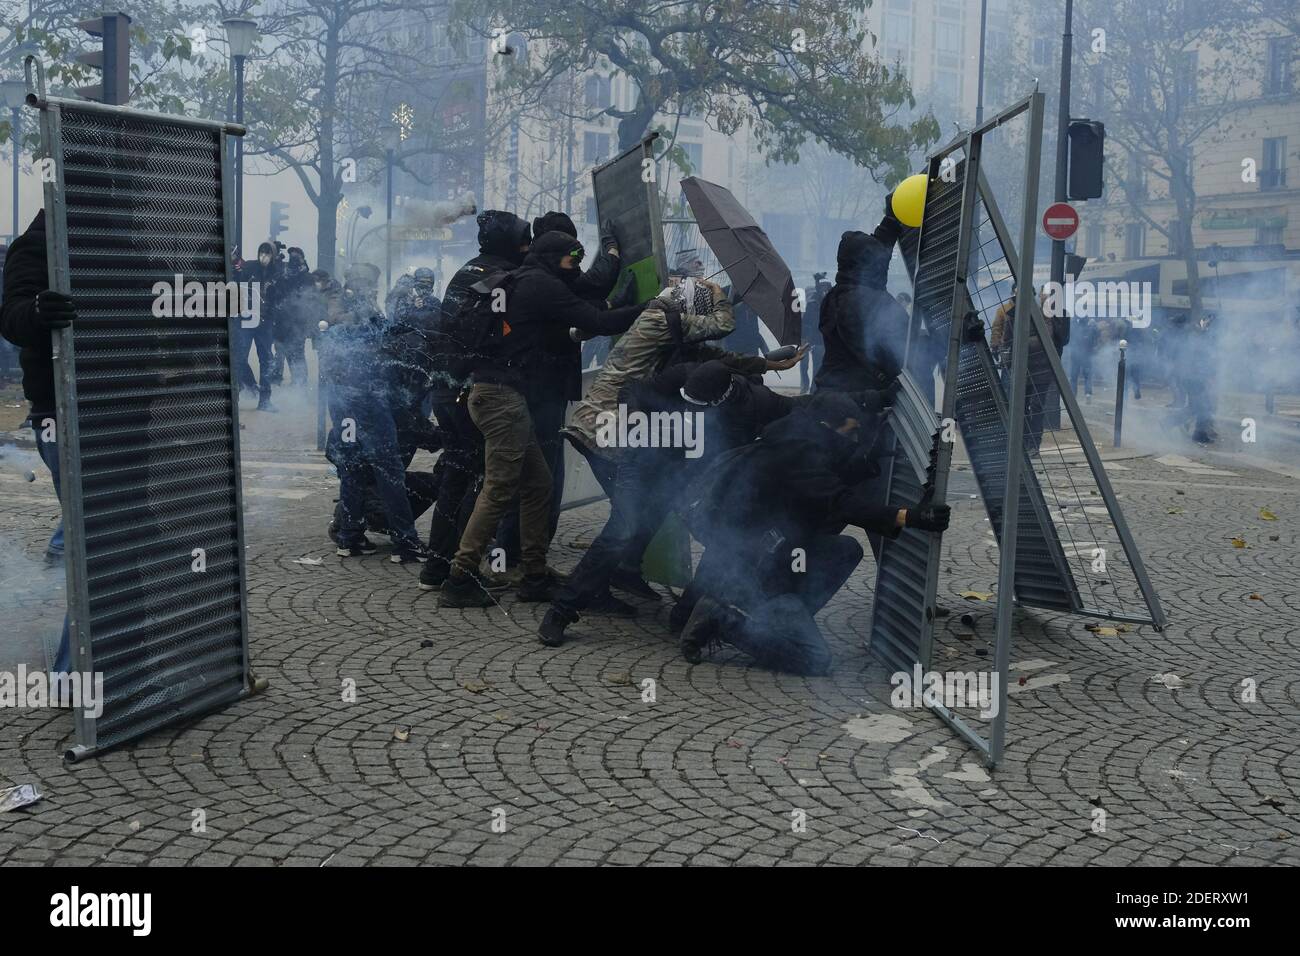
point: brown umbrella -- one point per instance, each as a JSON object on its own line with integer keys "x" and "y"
{"x": 759, "y": 276}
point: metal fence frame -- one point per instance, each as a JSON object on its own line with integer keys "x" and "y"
{"x": 68, "y": 429}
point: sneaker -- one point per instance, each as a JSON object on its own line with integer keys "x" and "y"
{"x": 462, "y": 590}
{"x": 551, "y": 631}
{"x": 535, "y": 588}
{"x": 409, "y": 554}
{"x": 361, "y": 548}
{"x": 606, "y": 603}
{"x": 631, "y": 582}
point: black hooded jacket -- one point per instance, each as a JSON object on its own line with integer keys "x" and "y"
{"x": 800, "y": 478}
{"x": 26, "y": 275}
{"x": 540, "y": 307}
{"x": 863, "y": 327}
{"x": 499, "y": 238}
{"x": 564, "y": 356}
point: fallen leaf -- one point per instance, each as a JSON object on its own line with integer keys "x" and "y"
{"x": 1239, "y": 543}
{"x": 622, "y": 678}
{"x": 1256, "y": 597}
{"x": 977, "y": 595}
{"x": 1172, "y": 681}
{"x": 732, "y": 742}
{"x": 1104, "y": 631}
{"x": 402, "y": 734}
{"x": 1022, "y": 681}
{"x": 1173, "y": 511}
{"x": 475, "y": 686}
{"x": 1266, "y": 515}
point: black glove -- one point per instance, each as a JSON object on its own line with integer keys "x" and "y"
{"x": 54, "y": 310}
{"x": 608, "y": 235}
{"x": 889, "y": 208}
{"x": 930, "y": 518}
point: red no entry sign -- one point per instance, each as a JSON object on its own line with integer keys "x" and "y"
{"x": 1060, "y": 220}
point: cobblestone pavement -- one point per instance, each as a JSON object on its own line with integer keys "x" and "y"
{"x": 561, "y": 748}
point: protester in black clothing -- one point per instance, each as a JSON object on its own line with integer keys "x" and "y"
{"x": 539, "y": 300}
{"x": 770, "y": 515}
{"x": 30, "y": 314}
{"x": 863, "y": 326}
{"x": 295, "y": 318}
{"x": 718, "y": 410}
{"x": 503, "y": 240}
{"x": 559, "y": 380}
{"x": 258, "y": 331}
{"x": 810, "y": 331}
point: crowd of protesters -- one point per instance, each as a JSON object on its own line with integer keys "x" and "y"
{"x": 489, "y": 377}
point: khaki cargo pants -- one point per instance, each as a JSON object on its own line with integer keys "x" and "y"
{"x": 513, "y": 463}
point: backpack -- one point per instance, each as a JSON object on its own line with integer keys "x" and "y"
{"x": 473, "y": 317}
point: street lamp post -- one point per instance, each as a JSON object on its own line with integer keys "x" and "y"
{"x": 14, "y": 93}
{"x": 392, "y": 140}
{"x": 241, "y": 33}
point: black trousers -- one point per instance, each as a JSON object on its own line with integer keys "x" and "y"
{"x": 459, "y": 473}
{"x": 640, "y": 499}
{"x": 777, "y": 603}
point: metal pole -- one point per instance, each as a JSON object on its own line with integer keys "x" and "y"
{"x": 1016, "y": 428}
{"x": 239, "y": 156}
{"x": 1063, "y": 136}
{"x": 1119, "y": 391}
{"x": 15, "y": 133}
{"x": 979, "y": 100}
{"x": 388, "y": 235}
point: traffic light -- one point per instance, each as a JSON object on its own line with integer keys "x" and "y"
{"x": 1087, "y": 157}
{"x": 279, "y": 219}
{"x": 114, "y": 60}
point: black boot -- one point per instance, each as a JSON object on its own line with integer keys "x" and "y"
{"x": 462, "y": 590}
{"x": 551, "y": 631}
{"x": 535, "y": 588}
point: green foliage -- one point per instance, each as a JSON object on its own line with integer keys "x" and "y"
{"x": 789, "y": 73}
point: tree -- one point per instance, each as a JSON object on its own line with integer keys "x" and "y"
{"x": 163, "y": 48}
{"x": 1166, "y": 78}
{"x": 790, "y": 71}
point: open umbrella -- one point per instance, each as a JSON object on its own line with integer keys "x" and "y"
{"x": 759, "y": 276}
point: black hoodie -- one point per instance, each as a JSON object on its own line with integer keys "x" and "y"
{"x": 541, "y": 305}
{"x": 864, "y": 328}
{"x": 800, "y": 478}
{"x": 26, "y": 275}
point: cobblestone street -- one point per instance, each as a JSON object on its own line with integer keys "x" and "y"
{"x": 470, "y": 742}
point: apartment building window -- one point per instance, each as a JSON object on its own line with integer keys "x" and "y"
{"x": 1092, "y": 242}
{"x": 1268, "y": 235}
{"x": 897, "y": 39}
{"x": 1273, "y": 173}
{"x": 694, "y": 155}
{"x": 595, "y": 147}
{"x": 596, "y": 92}
{"x": 1278, "y": 68}
{"x": 1135, "y": 240}
{"x": 1135, "y": 177}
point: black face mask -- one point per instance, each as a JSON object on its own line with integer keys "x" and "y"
{"x": 570, "y": 276}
